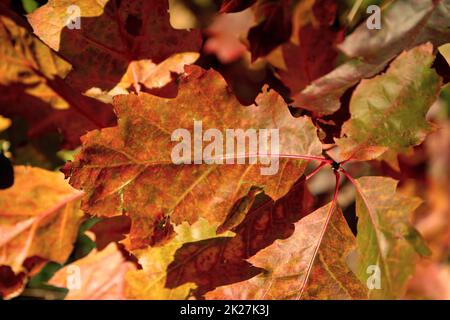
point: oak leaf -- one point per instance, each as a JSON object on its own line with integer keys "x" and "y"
{"x": 220, "y": 261}
{"x": 286, "y": 264}
{"x": 98, "y": 276}
{"x": 149, "y": 283}
{"x": 32, "y": 86}
{"x": 112, "y": 34}
{"x": 128, "y": 169}
{"x": 388, "y": 111}
{"x": 386, "y": 239}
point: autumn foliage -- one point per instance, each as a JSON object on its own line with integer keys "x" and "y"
{"x": 92, "y": 205}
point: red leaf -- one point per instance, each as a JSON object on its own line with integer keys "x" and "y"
{"x": 219, "y": 261}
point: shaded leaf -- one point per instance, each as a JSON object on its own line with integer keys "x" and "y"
{"x": 128, "y": 169}
{"x": 274, "y": 29}
{"x": 314, "y": 55}
{"x": 39, "y": 216}
{"x": 112, "y": 34}
{"x": 405, "y": 24}
{"x": 420, "y": 21}
{"x": 226, "y": 36}
{"x": 220, "y": 261}
{"x": 322, "y": 95}
{"x": 149, "y": 283}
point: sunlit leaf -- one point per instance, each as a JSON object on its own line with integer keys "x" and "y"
{"x": 388, "y": 112}
{"x": 286, "y": 264}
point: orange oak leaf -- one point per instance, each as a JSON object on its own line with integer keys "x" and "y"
{"x": 98, "y": 276}
{"x": 111, "y": 34}
{"x": 286, "y": 264}
{"x": 31, "y": 86}
{"x": 129, "y": 168}
{"x": 39, "y": 217}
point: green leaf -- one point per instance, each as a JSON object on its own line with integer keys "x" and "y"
{"x": 388, "y": 112}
